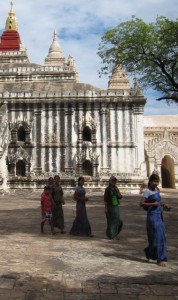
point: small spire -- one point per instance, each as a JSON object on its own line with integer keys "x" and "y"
{"x": 118, "y": 80}
{"x": 11, "y": 22}
{"x": 55, "y": 56}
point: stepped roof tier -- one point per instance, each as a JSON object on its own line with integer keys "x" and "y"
{"x": 11, "y": 48}
{"x": 46, "y": 87}
{"x": 10, "y": 39}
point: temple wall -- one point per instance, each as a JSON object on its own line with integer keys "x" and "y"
{"x": 56, "y": 142}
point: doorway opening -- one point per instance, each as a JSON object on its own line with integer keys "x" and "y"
{"x": 167, "y": 172}
{"x": 87, "y": 167}
{"x": 20, "y": 168}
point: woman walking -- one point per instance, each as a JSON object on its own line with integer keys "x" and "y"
{"x": 81, "y": 225}
{"x": 112, "y": 198}
{"x": 58, "y": 201}
{"x": 151, "y": 201}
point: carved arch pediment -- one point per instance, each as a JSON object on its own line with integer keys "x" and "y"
{"x": 27, "y": 125}
{"x": 21, "y": 154}
{"x": 87, "y": 120}
{"x": 165, "y": 145}
{"x": 162, "y": 148}
{"x": 87, "y": 154}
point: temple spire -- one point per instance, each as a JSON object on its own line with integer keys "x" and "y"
{"x": 11, "y": 22}
{"x": 55, "y": 56}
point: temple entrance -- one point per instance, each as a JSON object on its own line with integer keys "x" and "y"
{"x": 167, "y": 172}
{"x": 20, "y": 168}
{"x": 87, "y": 168}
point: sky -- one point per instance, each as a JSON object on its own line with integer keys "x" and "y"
{"x": 80, "y": 25}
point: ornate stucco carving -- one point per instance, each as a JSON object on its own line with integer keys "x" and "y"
{"x": 94, "y": 156}
{"x": 21, "y": 154}
{"x": 51, "y": 139}
{"x": 4, "y": 128}
{"x": 136, "y": 90}
{"x": 162, "y": 145}
{"x": 87, "y": 120}
{"x": 27, "y": 125}
{"x": 166, "y": 148}
{"x": 87, "y": 154}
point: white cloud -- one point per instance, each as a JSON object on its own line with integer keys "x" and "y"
{"x": 80, "y": 25}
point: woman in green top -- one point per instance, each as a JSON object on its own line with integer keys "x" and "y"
{"x": 112, "y": 196}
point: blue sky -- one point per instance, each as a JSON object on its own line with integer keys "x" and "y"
{"x": 80, "y": 25}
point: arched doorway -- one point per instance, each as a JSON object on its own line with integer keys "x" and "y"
{"x": 87, "y": 168}
{"x": 167, "y": 172}
{"x": 20, "y": 168}
{"x": 21, "y": 134}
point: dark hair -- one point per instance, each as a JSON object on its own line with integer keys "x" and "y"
{"x": 47, "y": 187}
{"x": 153, "y": 177}
{"x": 80, "y": 178}
{"x": 50, "y": 178}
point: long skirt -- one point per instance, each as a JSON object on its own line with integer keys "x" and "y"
{"x": 114, "y": 221}
{"x": 58, "y": 217}
{"x": 81, "y": 225}
{"x": 156, "y": 233}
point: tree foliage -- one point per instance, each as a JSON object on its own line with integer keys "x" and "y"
{"x": 148, "y": 51}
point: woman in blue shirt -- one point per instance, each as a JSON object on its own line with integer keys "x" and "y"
{"x": 151, "y": 201}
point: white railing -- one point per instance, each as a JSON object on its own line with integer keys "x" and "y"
{"x": 87, "y": 93}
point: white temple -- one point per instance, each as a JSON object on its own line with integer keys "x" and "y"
{"x": 53, "y": 124}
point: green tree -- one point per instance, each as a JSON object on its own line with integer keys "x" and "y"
{"x": 148, "y": 51}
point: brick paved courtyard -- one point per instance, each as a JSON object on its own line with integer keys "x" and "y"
{"x": 64, "y": 267}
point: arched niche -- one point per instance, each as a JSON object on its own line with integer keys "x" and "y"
{"x": 87, "y": 134}
{"x": 87, "y": 168}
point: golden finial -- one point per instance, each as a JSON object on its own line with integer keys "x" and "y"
{"x": 54, "y": 35}
{"x": 11, "y": 3}
{"x": 11, "y": 22}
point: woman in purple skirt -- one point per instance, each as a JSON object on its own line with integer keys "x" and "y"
{"x": 81, "y": 225}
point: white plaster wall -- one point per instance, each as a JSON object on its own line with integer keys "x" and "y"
{"x": 123, "y": 160}
{"x": 139, "y": 140}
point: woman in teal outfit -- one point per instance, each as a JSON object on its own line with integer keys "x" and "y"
{"x": 112, "y": 196}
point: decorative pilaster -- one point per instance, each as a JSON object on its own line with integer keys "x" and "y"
{"x": 139, "y": 135}
{"x": 112, "y": 123}
{"x": 27, "y": 169}
{"x": 68, "y": 140}
{"x": 37, "y": 129}
{"x": 12, "y": 169}
{"x": 13, "y": 136}
{"x": 104, "y": 115}
{"x": 27, "y": 137}
{"x": 79, "y": 160}
{"x": 80, "y": 123}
